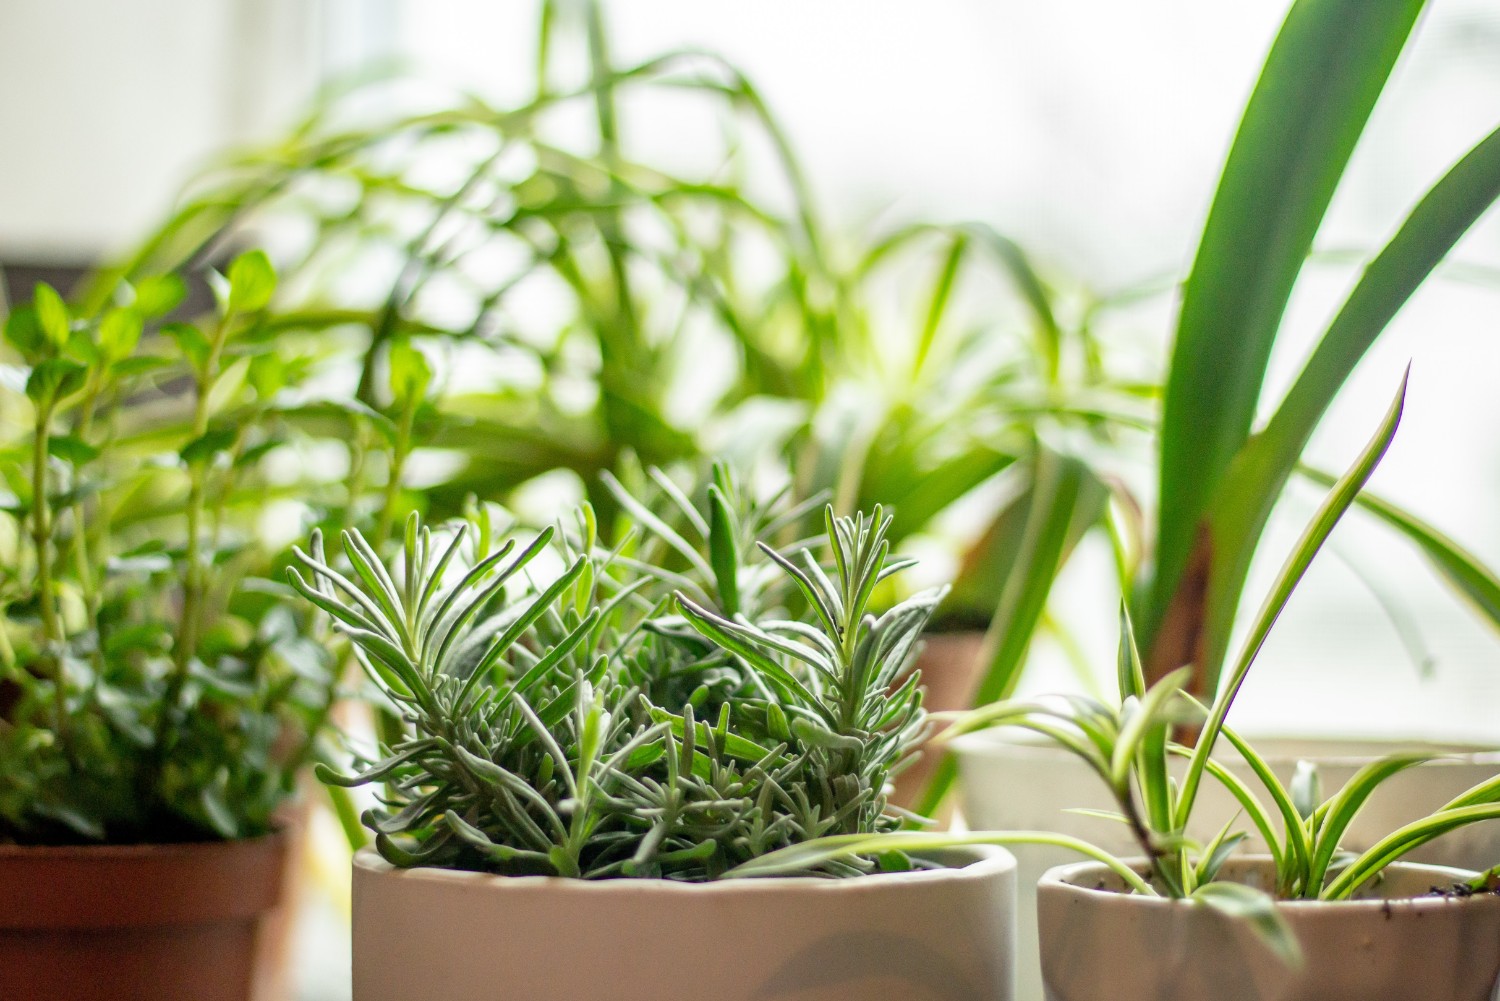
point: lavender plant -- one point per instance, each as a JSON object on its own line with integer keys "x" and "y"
{"x": 572, "y": 711}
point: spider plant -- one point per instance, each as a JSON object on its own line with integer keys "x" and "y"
{"x": 573, "y": 712}
{"x": 1130, "y": 747}
{"x": 154, "y": 686}
{"x": 1220, "y": 476}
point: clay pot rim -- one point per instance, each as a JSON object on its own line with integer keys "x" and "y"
{"x": 116, "y": 886}
{"x": 1273, "y": 748}
{"x": 1065, "y": 880}
{"x": 986, "y": 862}
{"x": 144, "y": 849}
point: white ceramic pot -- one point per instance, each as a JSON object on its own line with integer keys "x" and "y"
{"x": 1006, "y": 784}
{"x": 932, "y": 935}
{"x": 1396, "y": 943}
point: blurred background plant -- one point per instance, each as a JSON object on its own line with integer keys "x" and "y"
{"x": 155, "y": 686}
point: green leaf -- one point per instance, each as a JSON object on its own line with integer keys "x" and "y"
{"x": 1404, "y": 840}
{"x": 810, "y": 854}
{"x": 1341, "y": 809}
{"x": 1316, "y": 91}
{"x": 23, "y": 331}
{"x": 252, "y": 280}
{"x": 210, "y": 444}
{"x": 1025, "y": 551}
{"x": 195, "y": 346}
{"x": 1063, "y": 499}
{"x": 1259, "y": 910}
{"x": 216, "y": 810}
{"x": 410, "y": 373}
{"x": 1259, "y": 473}
{"x": 1313, "y": 536}
{"x": 54, "y": 380}
{"x": 1443, "y": 216}
{"x": 71, "y": 449}
{"x": 52, "y": 315}
{"x": 723, "y": 551}
{"x": 119, "y": 333}
{"x": 1462, "y": 570}
{"x": 158, "y": 295}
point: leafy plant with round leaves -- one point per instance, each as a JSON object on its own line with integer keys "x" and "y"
{"x": 154, "y": 685}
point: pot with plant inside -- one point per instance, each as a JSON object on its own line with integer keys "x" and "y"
{"x": 1187, "y": 920}
{"x": 1190, "y": 919}
{"x": 597, "y": 742}
{"x": 156, "y": 699}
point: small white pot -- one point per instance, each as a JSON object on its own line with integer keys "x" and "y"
{"x": 932, "y": 935}
{"x": 1009, "y": 784}
{"x": 1396, "y": 943}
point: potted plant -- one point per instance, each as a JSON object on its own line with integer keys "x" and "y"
{"x": 1220, "y": 475}
{"x": 157, "y": 697}
{"x": 1188, "y": 918}
{"x": 1346, "y": 924}
{"x": 594, "y": 740}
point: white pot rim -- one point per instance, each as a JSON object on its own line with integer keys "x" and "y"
{"x": 984, "y": 862}
{"x": 1074, "y": 878}
{"x": 1273, "y": 748}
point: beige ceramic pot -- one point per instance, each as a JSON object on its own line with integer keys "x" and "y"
{"x": 1008, "y": 784}
{"x": 1397, "y": 943}
{"x": 934, "y": 935}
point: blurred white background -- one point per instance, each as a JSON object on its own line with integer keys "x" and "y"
{"x": 1090, "y": 130}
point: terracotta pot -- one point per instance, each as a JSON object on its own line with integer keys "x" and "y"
{"x": 136, "y": 922}
{"x": 933, "y": 935}
{"x": 1395, "y": 944}
{"x": 1010, "y": 784}
{"x": 949, "y": 663}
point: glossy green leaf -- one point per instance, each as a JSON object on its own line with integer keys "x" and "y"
{"x": 1318, "y": 86}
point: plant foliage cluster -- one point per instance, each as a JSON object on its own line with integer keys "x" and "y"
{"x": 577, "y": 711}
{"x": 154, "y": 683}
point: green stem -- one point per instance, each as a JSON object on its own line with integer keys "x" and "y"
{"x": 398, "y": 464}
{"x": 41, "y": 528}
{"x": 7, "y": 652}
{"x": 193, "y": 576}
{"x": 41, "y": 536}
{"x": 88, "y": 581}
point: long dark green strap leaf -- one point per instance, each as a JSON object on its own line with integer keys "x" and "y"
{"x": 1249, "y": 490}
{"x": 1443, "y": 216}
{"x": 1319, "y": 85}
